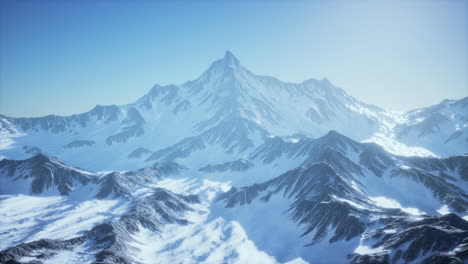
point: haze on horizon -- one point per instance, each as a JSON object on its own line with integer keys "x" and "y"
{"x": 64, "y": 58}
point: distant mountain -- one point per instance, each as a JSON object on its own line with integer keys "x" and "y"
{"x": 441, "y": 128}
{"x": 227, "y": 112}
{"x": 233, "y": 167}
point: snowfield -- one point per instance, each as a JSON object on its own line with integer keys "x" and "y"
{"x": 233, "y": 167}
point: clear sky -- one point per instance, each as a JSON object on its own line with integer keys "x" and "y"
{"x": 65, "y": 57}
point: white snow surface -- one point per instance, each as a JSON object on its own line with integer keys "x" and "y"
{"x": 29, "y": 218}
{"x": 226, "y": 101}
{"x": 228, "y": 94}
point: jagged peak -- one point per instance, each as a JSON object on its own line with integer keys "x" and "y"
{"x": 102, "y": 107}
{"x": 230, "y": 59}
{"x": 228, "y": 63}
{"x": 41, "y": 157}
{"x": 334, "y": 139}
{"x": 333, "y": 134}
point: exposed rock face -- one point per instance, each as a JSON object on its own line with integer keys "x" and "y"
{"x": 6, "y": 126}
{"x": 433, "y": 239}
{"x": 59, "y": 124}
{"x": 313, "y": 191}
{"x": 325, "y": 189}
{"x": 132, "y": 126}
{"x": 180, "y": 150}
{"x": 110, "y": 242}
{"x": 327, "y": 198}
{"x": 118, "y": 184}
{"x": 440, "y": 128}
{"x": 168, "y": 168}
{"x": 230, "y": 110}
{"x": 139, "y": 153}
{"x": 79, "y": 144}
{"x": 45, "y": 172}
{"x": 237, "y": 165}
{"x": 443, "y": 176}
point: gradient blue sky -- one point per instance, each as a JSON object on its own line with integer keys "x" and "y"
{"x": 64, "y": 57}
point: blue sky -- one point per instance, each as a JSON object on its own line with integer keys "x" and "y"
{"x": 64, "y": 57}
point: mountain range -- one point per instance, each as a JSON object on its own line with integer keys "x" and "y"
{"x": 233, "y": 167}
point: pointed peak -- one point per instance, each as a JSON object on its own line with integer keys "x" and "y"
{"x": 333, "y": 133}
{"x": 333, "y": 136}
{"x": 40, "y": 157}
{"x": 43, "y": 158}
{"x": 229, "y": 54}
{"x": 229, "y": 59}
{"x": 228, "y": 64}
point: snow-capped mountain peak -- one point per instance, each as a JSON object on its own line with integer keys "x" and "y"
{"x": 230, "y": 60}
{"x": 230, "y": 168}
{"x": 230, "y": 109}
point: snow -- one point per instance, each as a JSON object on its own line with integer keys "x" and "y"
{"x": 275, "y": 106}
{"x": 28, "y": 218}
{"x": 390, "y": 144}
{"x": 390, "y": 231}
{"x": 232, "y": 235}
{"x": 215, "y": 241}
{"x": 444, "y": 210}
{"x": 365, "y": 250}
{"x": 297, "y": 261}
{"x": 206, "y": 189}
{"x": 259, "y": 219}
{"x": 255, "y": 233}
{"x": 80, "y": 254}
{"x": 391, "y": 203}
{"x": 356, "y": 205}
{"x": 400, "y": 192}
{"x": 206, "y": 239}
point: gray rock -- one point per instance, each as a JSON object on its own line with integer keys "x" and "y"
{"x": 139, "y": 153}
{"x": 80, "y": 143}
{"x": 236, "y": 165}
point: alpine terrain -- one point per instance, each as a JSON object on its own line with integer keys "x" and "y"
{"x": 234, "y": 167}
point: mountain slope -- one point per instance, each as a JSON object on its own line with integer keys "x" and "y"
{"x": 372, "y": 206}
{"x": 109, "y": 242}
{"x": 45, "y": 175}
{"x": 441, "y": 128}
{"x": 233, "y": 167}
{"x": 227, "y": 110}
{"x": 342, "y": 196}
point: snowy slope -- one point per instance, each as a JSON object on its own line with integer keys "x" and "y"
{"x": 226, "y": 112}
{"x": 354, "y": 199}
{"x": 441, "y": 128}
{"x": 359, "y": 201}
{"x": 233, "y": 167}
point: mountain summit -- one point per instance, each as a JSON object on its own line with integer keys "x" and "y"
{"x": 233, "y": 167}
{"x": 230, "y": 60}
{"x": 232, "y": 110}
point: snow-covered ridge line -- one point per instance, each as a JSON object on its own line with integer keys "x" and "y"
{"x": 328, "y": 193}
{"x": 110, "y": 241}
{"x": 230, "y": 110}
{"x": 45, "y": 175}
{"x": 374, "y": 206}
